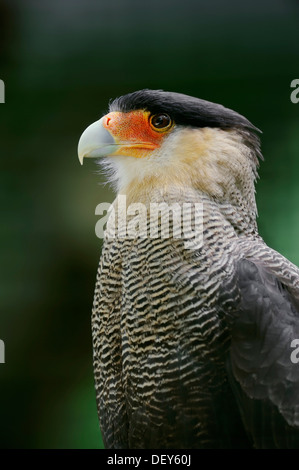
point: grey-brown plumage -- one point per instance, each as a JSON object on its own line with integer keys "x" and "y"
{"x": 192, "y": 346}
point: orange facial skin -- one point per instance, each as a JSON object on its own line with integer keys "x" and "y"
{"x": 133, "y": 133}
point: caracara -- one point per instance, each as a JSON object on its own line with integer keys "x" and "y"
{"x": 195, "y": 318}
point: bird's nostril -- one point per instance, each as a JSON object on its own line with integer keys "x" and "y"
{"x": 108, "y": 120}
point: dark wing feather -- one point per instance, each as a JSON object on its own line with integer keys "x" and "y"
{"x": 262, "y": 375}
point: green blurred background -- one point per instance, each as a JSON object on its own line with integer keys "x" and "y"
{"x": 61, "y": 62}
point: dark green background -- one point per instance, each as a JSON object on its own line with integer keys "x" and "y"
{"x": 61, "y": 62}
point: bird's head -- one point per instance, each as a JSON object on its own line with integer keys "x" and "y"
{"x": 152, "y": 137}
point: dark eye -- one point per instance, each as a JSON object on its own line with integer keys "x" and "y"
{"x": 160, "y": 121}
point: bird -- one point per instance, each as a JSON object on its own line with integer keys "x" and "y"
{"x": 192, "y": 342}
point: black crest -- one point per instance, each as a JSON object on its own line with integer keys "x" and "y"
{"x": 184, "y": 109}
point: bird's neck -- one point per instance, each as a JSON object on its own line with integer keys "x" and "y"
{"x": 236, "y": 211}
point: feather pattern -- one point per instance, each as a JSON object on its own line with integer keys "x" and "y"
{"x": 163, "y": 329}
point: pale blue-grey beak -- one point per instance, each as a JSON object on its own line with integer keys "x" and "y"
{"x": 95, "y": 142}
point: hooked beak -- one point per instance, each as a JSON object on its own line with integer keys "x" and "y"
{"x": 96, "y": 141}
